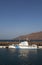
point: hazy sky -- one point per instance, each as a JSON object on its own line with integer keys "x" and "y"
{"x": 18, "y": 17}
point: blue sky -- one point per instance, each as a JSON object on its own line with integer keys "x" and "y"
{"x": 19, "y": 17}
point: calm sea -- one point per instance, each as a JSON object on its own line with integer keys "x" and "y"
{"x": 20, "y": 57}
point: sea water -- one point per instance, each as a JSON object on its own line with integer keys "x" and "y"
{"x": 20, "y": 57}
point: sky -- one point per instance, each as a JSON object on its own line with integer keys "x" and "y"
{"x": 20, "y": 17}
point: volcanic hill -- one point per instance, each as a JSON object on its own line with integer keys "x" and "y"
{"x": 32, "y": 36}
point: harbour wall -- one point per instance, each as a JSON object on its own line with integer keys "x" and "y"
{"x": 40, "y": 47}
{"x": 3, "y": 46}
{"x": 30, "y": 43}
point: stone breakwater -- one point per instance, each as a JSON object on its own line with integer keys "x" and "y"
{"x": 6, "y": 44}
{"x": 3, "y": 46}
{"x": 30, "y": 43}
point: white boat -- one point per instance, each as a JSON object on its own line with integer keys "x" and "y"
{"x": 23, "y": 45}
{"x": 11, "y": 46}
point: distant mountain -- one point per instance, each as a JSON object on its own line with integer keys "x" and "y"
{"x": 32, "y": 36}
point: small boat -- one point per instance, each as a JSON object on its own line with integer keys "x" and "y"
{"x": 11, "y": 46}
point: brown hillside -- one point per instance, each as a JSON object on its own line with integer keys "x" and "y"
{"x": 33, "y": 36}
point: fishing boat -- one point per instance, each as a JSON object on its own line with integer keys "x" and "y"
{"x": 25, "y": 45}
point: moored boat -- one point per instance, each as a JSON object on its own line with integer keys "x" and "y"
{"x": 25, "y": 45}
{"x": 11, "y": 46}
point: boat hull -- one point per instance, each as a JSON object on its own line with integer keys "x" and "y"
{"x": 27, "y": 48}
{"x": 11, "y": 47}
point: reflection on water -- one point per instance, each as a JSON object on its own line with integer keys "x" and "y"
{"x": 12, "y": 50}
{"x": 34, "y": 51}
{"x": 20, "y": 57}
{"x": 24, "y": 53}
{"x": 26, "y": 56}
